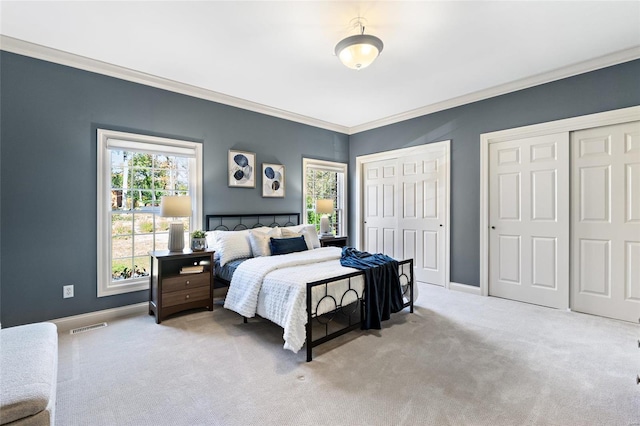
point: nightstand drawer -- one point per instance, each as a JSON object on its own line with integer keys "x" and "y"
{"x": 185, "y": 282}
{"x": 186, "y": 296}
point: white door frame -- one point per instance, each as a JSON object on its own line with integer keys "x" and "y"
{"x": 387, "y": 155}
{"x": 606, "y": 118}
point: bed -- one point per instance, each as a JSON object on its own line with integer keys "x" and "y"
{"x": 308, "y": 293}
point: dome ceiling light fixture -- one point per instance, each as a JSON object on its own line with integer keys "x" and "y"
{"x": 359, "y": 51}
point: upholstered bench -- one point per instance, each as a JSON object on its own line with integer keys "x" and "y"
{"x": 28, "y": 374}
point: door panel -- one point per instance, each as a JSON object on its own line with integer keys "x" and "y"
{"x": 380, "y": 202}
{"x": 407, "y": 218}
{"x": 529, "y": 220}
{"x": 605, "y": 164}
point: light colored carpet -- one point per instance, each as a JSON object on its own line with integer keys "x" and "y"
{"x": 459, "y": 359}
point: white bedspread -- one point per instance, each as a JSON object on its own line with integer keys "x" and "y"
{"x": 275, "y": 288}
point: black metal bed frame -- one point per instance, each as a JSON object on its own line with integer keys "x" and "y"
{"x": 338, "y": 321}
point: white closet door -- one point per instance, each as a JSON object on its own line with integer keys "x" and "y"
{"x": 380, "y": 207}
{"x": 529, "y": 220}
{"x": 606, "y": 221}
{"x": 422, "y": 213}
{"x": 405, "y": 210}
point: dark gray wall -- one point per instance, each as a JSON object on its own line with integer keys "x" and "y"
{"x": 597, "y": 91}
{"x": 49, "y": 117}
{"x": 48, "y": 120}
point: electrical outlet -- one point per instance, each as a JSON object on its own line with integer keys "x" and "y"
{"x": 67, "y": 291}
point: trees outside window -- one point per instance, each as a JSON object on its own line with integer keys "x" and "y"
{"x": 134, "y": 173}
{"x": 325, "y": 180}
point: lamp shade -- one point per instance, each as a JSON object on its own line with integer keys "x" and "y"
{"x": 358, "y": 51}
{"x": 175, "y": 206}
{"x": 324, "y": 206}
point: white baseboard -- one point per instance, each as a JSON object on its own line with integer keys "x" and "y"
{"x": 83, "y": 320}
{"x": 464, "y": 288}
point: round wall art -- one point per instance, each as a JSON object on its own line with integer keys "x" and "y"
{"x": 273, "y": 180}
{"x": 241, "y": 166}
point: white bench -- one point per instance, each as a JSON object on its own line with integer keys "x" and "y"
{"x": 28, "y": 374}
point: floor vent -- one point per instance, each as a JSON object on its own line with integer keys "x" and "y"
{"x": 88, "y": 328}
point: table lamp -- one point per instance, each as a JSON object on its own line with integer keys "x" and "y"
{"x": 325, "y": 208}
{"x": 175, "y": 206}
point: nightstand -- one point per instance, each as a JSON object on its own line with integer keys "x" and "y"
{"x": 333, "y": 241}
{"x": 172, "y": 291}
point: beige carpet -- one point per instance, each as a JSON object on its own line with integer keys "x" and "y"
{"x": 460, "y": 359}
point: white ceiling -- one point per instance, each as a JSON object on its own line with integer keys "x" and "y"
{"x": 280, "y": 54}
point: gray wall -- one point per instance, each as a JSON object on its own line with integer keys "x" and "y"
{"x": 597, "y": 91}
{"x": 48, "y": 120}
{"x": 49, "y": 117}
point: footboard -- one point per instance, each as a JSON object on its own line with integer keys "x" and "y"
{"x": 335, "y": 305}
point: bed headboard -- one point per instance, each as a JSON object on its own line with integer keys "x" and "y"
{"x": 238, "y": 222}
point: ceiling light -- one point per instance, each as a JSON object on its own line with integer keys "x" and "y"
{"x": 359, "y": 51}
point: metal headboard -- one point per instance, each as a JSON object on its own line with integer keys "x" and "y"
{"x": 239, "y": 222}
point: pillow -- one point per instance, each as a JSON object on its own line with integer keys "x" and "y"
{"x": 211, "y": 236}
{"x": 289, "y": 233}
{"x": 259, "y": 240}
{"x": 287, "y": 245}
{"x": 309, "y": 231}
{"x": 231, "y": 245}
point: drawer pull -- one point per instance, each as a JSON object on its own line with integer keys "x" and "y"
{"x": 187, "y": 283}
{"x": 187, "y": 296}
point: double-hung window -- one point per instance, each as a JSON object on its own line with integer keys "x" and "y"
{"x": 134, "y": 172}
{"x": 324, "y": 180}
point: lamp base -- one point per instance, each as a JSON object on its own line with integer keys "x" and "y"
{"x": 176, "y": 236}
{"x": 325, "y": 226}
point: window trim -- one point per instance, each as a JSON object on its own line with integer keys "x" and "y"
{"x": 105, "y": 286}
{"x": 332, "y": 166}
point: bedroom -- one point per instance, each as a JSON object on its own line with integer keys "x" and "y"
{"x": 51, "y": 112}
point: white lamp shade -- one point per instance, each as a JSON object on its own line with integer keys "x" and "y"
{"x": 359, "y": 51}
{"x": 324, "y": 206}
{"x": 175, "y": 206}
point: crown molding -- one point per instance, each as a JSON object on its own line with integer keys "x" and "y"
{"x": 44, "y": 53}
{"x": 48, "y": 54}
{"x": 615, "y": 58}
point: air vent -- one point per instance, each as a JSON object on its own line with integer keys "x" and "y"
{"x": 88, "y": 328}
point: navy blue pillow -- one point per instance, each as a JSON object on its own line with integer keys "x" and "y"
{"x": 287, "y": 245}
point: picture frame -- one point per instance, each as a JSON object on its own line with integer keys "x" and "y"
{"x": 241, "y": 167}
{"x": 273, "y": 180}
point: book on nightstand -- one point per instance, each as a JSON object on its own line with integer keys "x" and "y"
{"x": 192, "y": 269}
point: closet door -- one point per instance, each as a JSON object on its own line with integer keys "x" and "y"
{"x": 380, "y": 207}
{"x": 422, "y": 213}
{"x": 529, "y": 220}
{"x": 405, "y": 209}
{"x": 606, "y": 221}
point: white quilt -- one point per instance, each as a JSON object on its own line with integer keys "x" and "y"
{"x": 275, "y": 288}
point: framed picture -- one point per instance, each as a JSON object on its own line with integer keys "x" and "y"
{"x": 273, "y": 181}
{"x": 241, "y": 169}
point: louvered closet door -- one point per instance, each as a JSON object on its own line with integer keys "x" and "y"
{"x": 606, "y": 221}
{"x": 529, "y": 220}
{"x": 380, "y": 211}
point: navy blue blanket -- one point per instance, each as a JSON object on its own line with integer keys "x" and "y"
{"x": 383, "y": 293}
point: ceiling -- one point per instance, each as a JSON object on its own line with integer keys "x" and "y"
{"x": 278, "y": 57}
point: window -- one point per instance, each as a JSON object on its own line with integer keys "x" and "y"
{"x": 325, "y": 180}
{"x": 134, "y": 172}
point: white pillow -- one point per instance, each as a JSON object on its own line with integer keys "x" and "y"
{"x": 312, "y": 232}
{"x": 210, "y": 236}
{"x": 231, "y": 245}
{"x": 259, "y": 240}
{"x": 308, "y": 231}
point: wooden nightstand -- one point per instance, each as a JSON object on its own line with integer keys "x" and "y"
{"x": 333, "y": 241}
{"x": 173, "y": 292}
